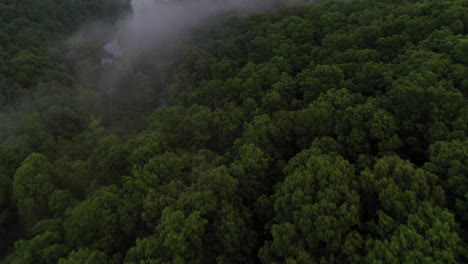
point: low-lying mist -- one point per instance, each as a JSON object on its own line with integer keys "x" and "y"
{"x": 131, "y": 59}
{"x": 156, "y": 22}
{"x": 154, "y": 27}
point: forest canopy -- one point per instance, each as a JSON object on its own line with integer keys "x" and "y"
{"x": 331, "y": 132}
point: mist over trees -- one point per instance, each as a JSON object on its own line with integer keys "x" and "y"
{"x": 314, "y": 133}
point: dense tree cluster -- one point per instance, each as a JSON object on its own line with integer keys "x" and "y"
{"x": 327, "y": 133}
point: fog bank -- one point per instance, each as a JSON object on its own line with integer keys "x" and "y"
{"x": 158, "y": 22}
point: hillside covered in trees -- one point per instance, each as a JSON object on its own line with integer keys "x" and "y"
{"x": 321, "y": 133}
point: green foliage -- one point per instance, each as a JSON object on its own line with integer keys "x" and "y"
{"x": 450, "y": 161}
{"x": 99, "y": 216}
{"x": 332, "y": 132}
{"x": 43, "y": 248}
{"x": 316, "y": 211}
{"x": 33, "y": 183}
{"x": 84, "y": 256}
{"x": 60, "y": 201}
{"x": 409, "y": 210}
{"x": 178, "y": 240}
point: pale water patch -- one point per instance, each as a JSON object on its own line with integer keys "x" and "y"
{"x": 113, "y": 51}
{"x": 113, "y": 48}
